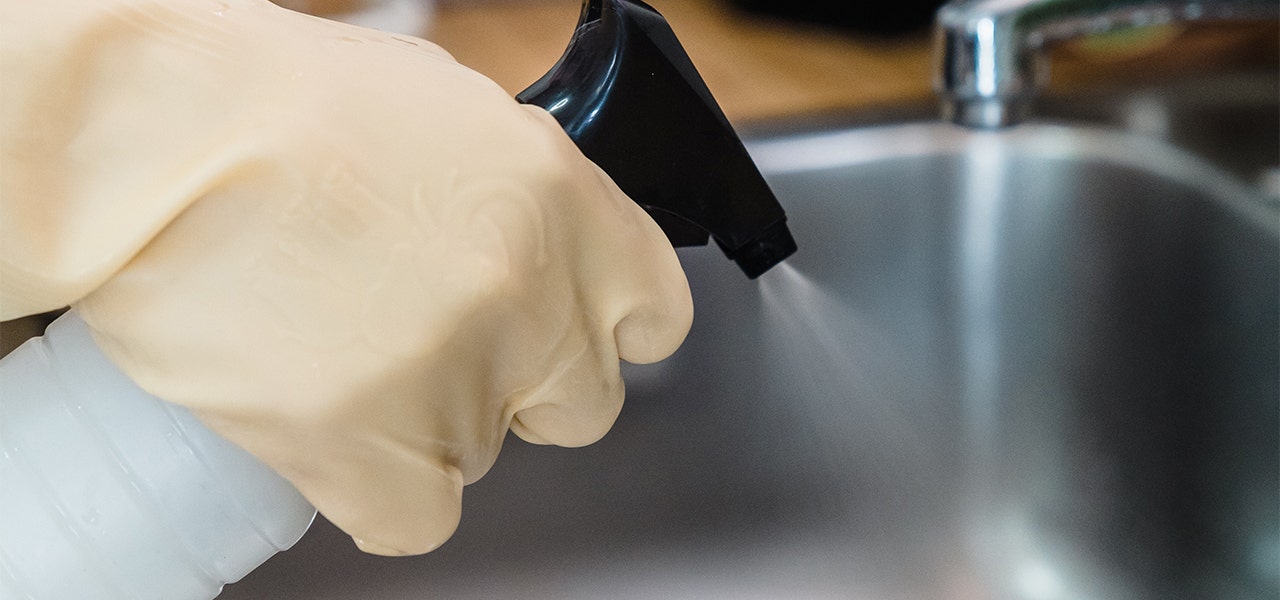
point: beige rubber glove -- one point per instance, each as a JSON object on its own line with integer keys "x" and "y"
{"x": 368, "y": 262}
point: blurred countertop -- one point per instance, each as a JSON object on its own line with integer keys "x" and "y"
{"x": 761, "y": 68}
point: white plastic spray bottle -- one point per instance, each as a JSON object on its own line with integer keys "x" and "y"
{"x": 107, "y": 492}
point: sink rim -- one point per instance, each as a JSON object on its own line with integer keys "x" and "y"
{"x": 788, "y": 154}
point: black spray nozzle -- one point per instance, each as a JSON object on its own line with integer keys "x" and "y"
{"x": 628, "y": 95}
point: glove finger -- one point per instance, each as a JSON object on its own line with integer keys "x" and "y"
{"x": 578, "y": 403}
{"x": 651, "y": 308}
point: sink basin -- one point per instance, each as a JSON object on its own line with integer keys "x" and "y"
{"x": 1033, "y": 364}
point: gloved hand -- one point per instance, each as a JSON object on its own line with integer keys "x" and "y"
{"x": 377, "y": 262}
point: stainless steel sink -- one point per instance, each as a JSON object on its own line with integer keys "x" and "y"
{"x": 1034, "y": 364}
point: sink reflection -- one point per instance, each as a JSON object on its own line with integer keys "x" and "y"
{"x": 1031, "y": 364}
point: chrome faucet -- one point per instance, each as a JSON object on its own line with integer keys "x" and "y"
{"x": 990, "y": 53}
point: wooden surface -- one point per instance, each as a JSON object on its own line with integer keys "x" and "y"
{"x": 760, "y": 68}
{"x": 756, "y": 68}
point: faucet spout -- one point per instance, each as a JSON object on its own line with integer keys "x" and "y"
{"x": 627, "y": 94}
{"x": 990, "y": 60}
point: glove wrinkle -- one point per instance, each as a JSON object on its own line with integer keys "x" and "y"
{"x": 343, "y": 251}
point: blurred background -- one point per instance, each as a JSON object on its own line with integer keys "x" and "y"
{"x": 778, "y": 59}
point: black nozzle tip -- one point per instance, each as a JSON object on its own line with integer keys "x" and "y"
{"x": 771, "y": 247}
{"x": 629, "y": 96}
